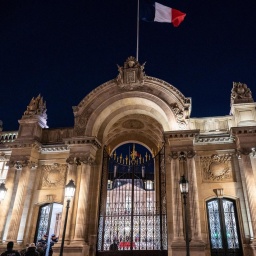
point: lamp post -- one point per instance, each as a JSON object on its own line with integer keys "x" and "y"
{"x": 69, "y": 194}
{"x": 184, "y": 192}
{"x": 3, "y": 191}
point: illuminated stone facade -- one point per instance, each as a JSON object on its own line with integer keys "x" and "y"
{"x": 216, "y": 154}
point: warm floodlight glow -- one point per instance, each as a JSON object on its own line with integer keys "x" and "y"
{"x": 70, "y": 189}
{"x": 183, "y": 185}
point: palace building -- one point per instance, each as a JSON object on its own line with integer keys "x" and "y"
{"x": 132, "y": 149}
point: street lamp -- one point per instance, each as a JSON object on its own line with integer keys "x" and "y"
{"x": 69, "y": 194}
{"x": 184, "y": 192}
{"x": 3, "y": 191}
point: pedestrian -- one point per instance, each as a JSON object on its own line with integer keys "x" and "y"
{"x": 31, "y": 251}
{"x": 23, "y": 251}
{"x": 10, "y": 251}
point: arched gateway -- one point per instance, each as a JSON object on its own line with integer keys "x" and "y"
{"x": 126, "y": 202}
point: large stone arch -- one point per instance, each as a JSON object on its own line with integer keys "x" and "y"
{"x": 132, "y": 107}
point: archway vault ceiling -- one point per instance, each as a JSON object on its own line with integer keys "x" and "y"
{"x": 135, "y": 127}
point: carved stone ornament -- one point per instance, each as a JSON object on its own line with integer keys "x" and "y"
{"x": 131, "y": 76}
{"x": 80, "y": 123}
{"x": 37, "y": 106}
{"x": 19, "y": 164}
{"x": 180, "y": 117}
{"x": 183, "y": 155}
{"x": 54, "y": 176}
{"x": 240, "y": 93}
{"x": 216, "y": 168}
{"x": 79, "y": 159}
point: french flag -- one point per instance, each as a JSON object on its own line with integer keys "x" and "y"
{"x": 153, "y": 11}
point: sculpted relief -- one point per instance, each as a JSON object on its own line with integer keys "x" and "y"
{"x": 216, "y": 168}
{"x": 180, "y": 116}
{"x": 53, "y": 176}
{"x": 131, "y": 75}
{"x": 240, "y": 93}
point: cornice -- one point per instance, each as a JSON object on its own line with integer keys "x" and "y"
{"x": 83, "y": 140}
{"x": 22, "y": 144}
{"x": 244, "y": 131}
{"x": 181, "y": 134}
{"x": 53, "y": 148}
{"x": 214, "y": 138}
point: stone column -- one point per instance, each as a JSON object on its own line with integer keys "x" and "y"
{"x": 27, "y": 202}
{"x": 193, "y": 198}
{"x": 5, "y": 205}
{"x": 177, "y": 216}
{"x": 19, "y": 200}
{"x": 250, "y": 187}
{"x": 81, "y": 216}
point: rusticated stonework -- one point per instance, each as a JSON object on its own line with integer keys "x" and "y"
{"x": 53, "y": 176}
{"x": 216, "y": 168}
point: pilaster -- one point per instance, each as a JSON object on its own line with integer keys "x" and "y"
{"x": 6, "y": 204}
{"x": 20, "y": 194}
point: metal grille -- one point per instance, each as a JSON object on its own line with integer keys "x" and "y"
{"x": 214, "y": 222}
{"x": 131, "y": 217}
{"x": 223, "y": 227}
{"x": 43, "y": 222}
{"x": 230, "y": 223}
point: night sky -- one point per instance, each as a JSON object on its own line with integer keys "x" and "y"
{"x": 64, "y": 49}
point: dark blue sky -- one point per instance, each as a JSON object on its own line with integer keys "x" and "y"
{"x": 63, "y": 49}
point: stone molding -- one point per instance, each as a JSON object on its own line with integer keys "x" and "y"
{"x": 83, "y": 140}
{"x": 182, "y": 134}
{"x": 215, "y": 138}
{"x": 22, "y": 144}
{"x": 245, "y": 130}
{"x": 54, "y": 175}
{"x": 216, "y": 168}
{"x": 53, "y": 148}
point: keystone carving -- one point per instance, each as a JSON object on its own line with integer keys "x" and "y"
{"x": 131, "y": 76}
{"x": 216, "y": 168}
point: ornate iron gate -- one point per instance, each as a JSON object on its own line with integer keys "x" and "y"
{"x": 133, "y": 205}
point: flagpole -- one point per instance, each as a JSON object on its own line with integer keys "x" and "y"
{"x": 138, "y": 25}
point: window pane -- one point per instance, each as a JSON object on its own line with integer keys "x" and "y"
{"x": 214, "y": 222}
{"x": 230, "y": 223}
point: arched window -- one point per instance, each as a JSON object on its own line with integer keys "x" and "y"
{"x": 223, "y": 227}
